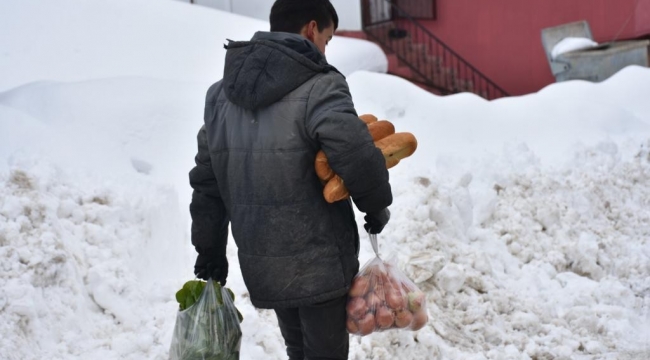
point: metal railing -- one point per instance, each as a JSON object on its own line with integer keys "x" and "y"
{"x": 432, "y": 63}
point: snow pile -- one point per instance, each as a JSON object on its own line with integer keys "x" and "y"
{"x": 545, "y": 264}
{"x": 349, "y": 55}
{"x": 77, "y": 277}
{"x": 349, "y": 12}
{"x": 161, "y": 39}
{"x": 572, "y": 44}
{"x": 458, "y": 132}
{"x": 120, "y": 126}
{"x": 524, "y": 219}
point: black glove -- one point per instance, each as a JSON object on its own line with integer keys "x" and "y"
{"x": 211, "y": 266}
{"x": 375, "y": 222}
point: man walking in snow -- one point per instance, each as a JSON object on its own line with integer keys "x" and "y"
{"x": 278, "y": 104}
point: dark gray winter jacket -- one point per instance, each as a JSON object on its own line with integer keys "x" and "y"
{"x": 278, "y": 104}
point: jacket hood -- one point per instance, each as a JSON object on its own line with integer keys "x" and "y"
{"x": 263, "y": 70}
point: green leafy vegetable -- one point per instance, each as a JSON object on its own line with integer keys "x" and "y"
{"x": 189, "y": 294}
{"x": 206, "y": 327}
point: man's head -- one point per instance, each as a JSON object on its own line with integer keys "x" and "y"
{"x": 316, "y": 20}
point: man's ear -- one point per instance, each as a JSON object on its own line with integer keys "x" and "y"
{"x": 311, "y": 30}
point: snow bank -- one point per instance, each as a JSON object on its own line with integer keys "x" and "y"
{"x": 93, "y": 231}
{"x": 571, "y": 44}
{"x": 524, "y": 219}
{"x": 73, "y": 40}
{"x": 522, "y": 250}
{"x": 532, "y": 264}
{"x": 86, "y": 265}
{"x": 366, "y": 56}
{"x": 119, "y": 126}
{"x": 458, "y": 128}
{"x": 349, "y": 12}
{"x": 510, "y": 215}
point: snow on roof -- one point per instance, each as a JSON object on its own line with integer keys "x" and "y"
{"x": 572, "y": 44}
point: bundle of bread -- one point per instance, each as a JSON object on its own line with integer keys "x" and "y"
{"x": 394, "y": 146}
{"x": 381, "y": 298}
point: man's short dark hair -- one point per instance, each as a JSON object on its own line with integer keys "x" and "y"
{"x": 292, "y": 15}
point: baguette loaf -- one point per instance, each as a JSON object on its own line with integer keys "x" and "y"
{"x": 368, "y": 118}
{"x": 394, "y": 147}
{"x": 323, "y": 169}
{"x": 335, "y": 190}
{"x": 378, "y": 130}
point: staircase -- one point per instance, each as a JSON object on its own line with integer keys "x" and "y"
{"x": 414, "y": 53}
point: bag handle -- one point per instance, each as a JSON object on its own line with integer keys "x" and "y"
{"x": 373, "y": 241}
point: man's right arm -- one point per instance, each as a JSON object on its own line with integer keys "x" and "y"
{"x": 333, "y": 122}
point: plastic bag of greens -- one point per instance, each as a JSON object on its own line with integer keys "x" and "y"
{"x": 382, "y": 297}
{"x": 207, "y": 325}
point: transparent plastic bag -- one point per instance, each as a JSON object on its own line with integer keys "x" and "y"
{"x": 382, "y": 298}
{"x": 209, "y": 329}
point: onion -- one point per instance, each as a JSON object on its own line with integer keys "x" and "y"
{"x": 383, "y": 278}
{"x": 396, "y": 284}
{"x": 395, "y": 300}
{"x": 416, "y": 299}
{"x": 403, "y": 318}
{"x": 407, "y": 289}
{"x": 353, "y": 328}
{"x": 359, "y": 286}
{"x": 367, "y": 324}
{"x": 379, "y": 291}
{"x": 357, "y": 308}
{"x": 385, "y": 317}
{"x": 373, "y": 301}
{"x": 420, "y": 319}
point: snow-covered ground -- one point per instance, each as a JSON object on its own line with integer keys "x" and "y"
{"x": 526, "y": 220}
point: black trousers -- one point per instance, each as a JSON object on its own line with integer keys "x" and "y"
{"x": 315, "y": 332}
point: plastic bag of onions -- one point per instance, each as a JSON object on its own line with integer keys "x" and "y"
{"x": 382, "y": 297}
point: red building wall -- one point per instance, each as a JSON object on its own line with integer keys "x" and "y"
{"x": 642, "y": 18}
{"x": 502, "y": 38}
